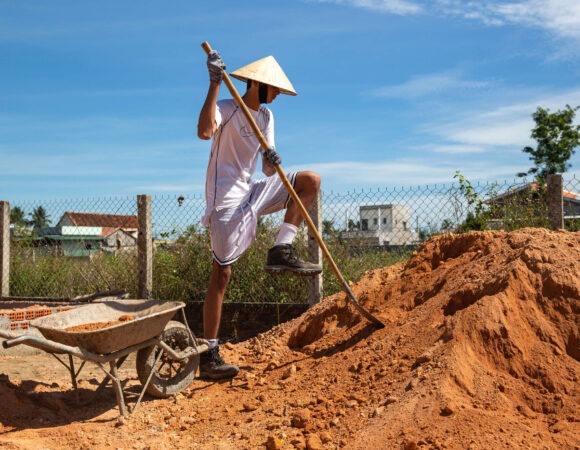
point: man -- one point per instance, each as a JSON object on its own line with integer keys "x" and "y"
{"x": 234, "y": 200}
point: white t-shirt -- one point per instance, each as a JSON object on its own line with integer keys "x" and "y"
{"x": 235, "y": 152}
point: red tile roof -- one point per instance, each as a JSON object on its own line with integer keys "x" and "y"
{"x": 80, "y": 219}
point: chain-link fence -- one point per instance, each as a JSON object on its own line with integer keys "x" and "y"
{"x": 69, "y": 248}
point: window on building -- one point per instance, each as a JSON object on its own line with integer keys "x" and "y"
{"x": 375, "y": 221}
{"x": 364, "y": 224}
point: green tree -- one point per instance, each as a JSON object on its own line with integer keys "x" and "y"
{"x": 39, "y": 218}
{"x": 17, "y": 217}
{"x": 447, "y": 225}
{"x": 478, "y": 214}
{"x": 557, "y": 139}
{"x": 328, "y": 229}
{"x": 352, "y": 225}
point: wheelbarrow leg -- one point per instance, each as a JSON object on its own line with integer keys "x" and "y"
{"x": 118, "y": 389}
{"x": 148, "y": 379}
{"x": 104, "y": 383}
{"x": 73, "y": 377}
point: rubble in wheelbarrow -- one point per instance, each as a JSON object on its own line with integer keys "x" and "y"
{"x": 92, "y": 326}
{"x": 481, "y": 350}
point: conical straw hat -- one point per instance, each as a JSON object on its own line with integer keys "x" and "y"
{"x": 268, "y": 71}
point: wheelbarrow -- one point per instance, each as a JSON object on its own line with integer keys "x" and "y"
{"x": 107, "y": 332}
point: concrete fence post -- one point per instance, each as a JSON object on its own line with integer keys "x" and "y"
{"x": 555, "y": 200}
{"x": 4, "y": 249}
{"x": 144, "y": 247}
{"x": 315, "y": 286}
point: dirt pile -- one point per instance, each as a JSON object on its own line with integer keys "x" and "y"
{"x": 480, "y": 351}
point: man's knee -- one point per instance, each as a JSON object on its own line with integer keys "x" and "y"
{"x": 308, "y": 181}
{"x": 221, "y": 274}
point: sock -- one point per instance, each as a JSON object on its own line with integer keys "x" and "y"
{"x": 286, "y": 234}
{"x": 213, "y": 343}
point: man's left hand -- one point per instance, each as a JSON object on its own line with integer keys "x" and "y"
{"x": 272, "y": 156}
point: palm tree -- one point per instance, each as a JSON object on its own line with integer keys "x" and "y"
{"x": 39, "y": 218}
{"x": 17, "y": 217}
{"x": 328, "y": 228}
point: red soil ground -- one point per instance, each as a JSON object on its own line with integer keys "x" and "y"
{"x": 480, "y": 351}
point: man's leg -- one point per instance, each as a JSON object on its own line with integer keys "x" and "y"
{"x": 211, "y": 364}
{"x": 307, "y": 185}
{"x": 212, "y": 306}
{"x": 283, "y": 257}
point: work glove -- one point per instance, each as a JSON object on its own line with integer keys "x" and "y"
{"x": 272, "y": 156}
{"x": 215, "y": 66}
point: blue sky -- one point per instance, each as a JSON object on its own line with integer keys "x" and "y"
{"x": 102, "y": 98}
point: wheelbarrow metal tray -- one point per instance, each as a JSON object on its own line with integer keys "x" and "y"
{"x": 149, "y": 320}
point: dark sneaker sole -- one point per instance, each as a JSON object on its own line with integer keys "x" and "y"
{"x": 280, "y": 270}
{"x": 218, "y": 376}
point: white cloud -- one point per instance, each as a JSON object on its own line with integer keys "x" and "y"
{"x": 423, "y": 85}
{"x": 505, "y": 126}
{"x": 399, "y": 7}
{"x": 456, "y": 149}
{"x": 512, "y": 133}
{"x": 345, "y": 175}
{"x": 561, "y": 17}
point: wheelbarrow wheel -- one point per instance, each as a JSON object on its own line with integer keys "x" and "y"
{"x": 169, "y": 376}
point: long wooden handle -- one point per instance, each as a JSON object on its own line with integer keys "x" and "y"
{"x": 294, "y": 195}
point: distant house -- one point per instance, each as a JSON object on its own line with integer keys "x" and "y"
{"x": 383, "y": 225}
{"x": 518, "y": 199}
{"x": 84, "y": 234}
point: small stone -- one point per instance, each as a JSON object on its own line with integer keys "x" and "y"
{"x": 358, "y": 398}
{"x": 378, "y": 411}
{"x": 411, "y": 385}
{"x": 251, "y": 405}
{"x": 558, "y": 427}
{"x": 355, "y": 368}
{"x": 289, "y": 372}
{"x": 321, "y": 400}
{"x": 411, "y": 445}
{"x": 249, "y": 376}
{"x": 309, "y": 349}
{"x": 325, "y": 437}
{"x": 313, "y": 442}
{"x": 390, "y": 399}
{"x": 425, "y": 357}
{"x": 448, "y": 409}
{"x": 274, "y": 443}
{"x": 299, "y": 442}
{"x": 526, "y": 411}
{"x": 121, "y": 421}
{"x": 301, "y": 418}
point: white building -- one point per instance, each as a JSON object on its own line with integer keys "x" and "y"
{"x": 383, "y": 225}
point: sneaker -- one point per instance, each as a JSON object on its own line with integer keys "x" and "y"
{"x": 212, "y": 366}
{"x": 284, "y": 258}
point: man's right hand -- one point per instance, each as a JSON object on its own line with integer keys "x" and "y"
{"x": 215, "y": 66}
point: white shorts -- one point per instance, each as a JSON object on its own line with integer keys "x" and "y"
{"x": 233, "y": 230}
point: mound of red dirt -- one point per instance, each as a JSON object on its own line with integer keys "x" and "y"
{"x": 480, "y": 351}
